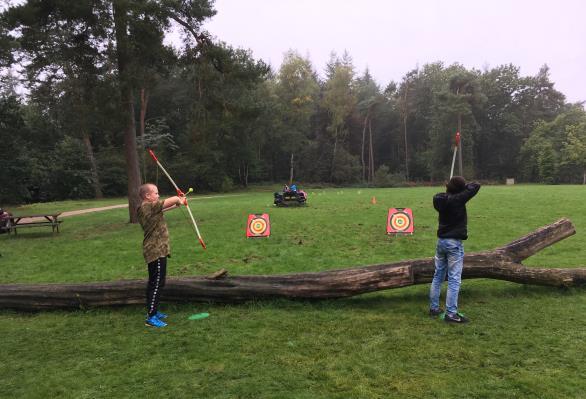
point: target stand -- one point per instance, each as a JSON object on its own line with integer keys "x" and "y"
{"x": 258, "y": 225}
{"x": 400, "y": 221}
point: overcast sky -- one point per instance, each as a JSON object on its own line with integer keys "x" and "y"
{"x": 392, "y": 37}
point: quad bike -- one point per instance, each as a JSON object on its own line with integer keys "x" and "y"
{"x": 290, "y": 196}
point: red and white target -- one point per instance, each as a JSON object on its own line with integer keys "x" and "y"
{"x": 400, "y": 221}
{"x": 258, "y": 225}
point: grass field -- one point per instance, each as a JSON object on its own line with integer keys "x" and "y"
{"x": 523, "y": 341}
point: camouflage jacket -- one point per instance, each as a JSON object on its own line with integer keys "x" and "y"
{"x": 156, "y": 236}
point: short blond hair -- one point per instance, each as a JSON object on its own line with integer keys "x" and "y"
{"x": 145, "y": 189}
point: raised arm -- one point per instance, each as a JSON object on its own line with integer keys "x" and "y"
{"x": 172, "y": 202}
{"x": 470, "y": 191}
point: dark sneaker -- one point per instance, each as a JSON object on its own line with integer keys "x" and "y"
{"x": 153, "y": 321}
{"x": 435, "y": 312}
{"x": 455, "y": 318}
{"x": 161, "y": 315}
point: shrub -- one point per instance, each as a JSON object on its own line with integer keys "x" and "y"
{"x": 384, "y": 178}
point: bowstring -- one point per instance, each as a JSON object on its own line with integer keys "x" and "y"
{"x": 183, "y": 212}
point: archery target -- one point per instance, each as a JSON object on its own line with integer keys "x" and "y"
{"x": 258, "y": 226}
{"x": 400, "y": 220}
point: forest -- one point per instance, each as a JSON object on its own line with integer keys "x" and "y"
{"x": 88, "y": 86}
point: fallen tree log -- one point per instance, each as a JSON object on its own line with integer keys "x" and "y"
{"x": 502, "y": 263}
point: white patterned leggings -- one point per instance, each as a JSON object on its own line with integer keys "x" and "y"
{"x": 157, "y": 274}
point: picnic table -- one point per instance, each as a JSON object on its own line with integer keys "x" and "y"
{"x": 40, "y": 220}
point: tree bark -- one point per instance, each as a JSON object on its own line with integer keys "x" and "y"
{"x": 144, "y": 100}
{"x": 405, "y": 114}
{"x": 503, "y": 263}
{"x": 245, "y": 173}
{"x": 370, "y": 153}
{"x": 291, "y": 170}
{"x": 362, "y": 148}
{"x": 334, "y": 155}
{"x": 93, "y": 165}
{"x": 123, "y": 54}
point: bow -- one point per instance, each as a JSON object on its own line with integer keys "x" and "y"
{"x": 455, "y": 151}
{"x": 180, "y": 194}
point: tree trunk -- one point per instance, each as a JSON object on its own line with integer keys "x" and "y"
{"x": 501, "y": 263}
{"x": 291, "y": 171}
{"x": 334, "y": 155}
{"x": 405, "y": 132}
{"x": 362, "y": 148}
{"x": 130, "y": 154}
{"x": 93, "y": 165}
{"x": 241, "y": 168}
{"x": 246, "y": 174}
{"x": 243, "y": 173}
{"x": 144, "y": 101}
{"x": 370, "y": 153}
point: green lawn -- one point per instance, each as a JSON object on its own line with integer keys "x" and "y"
{"x": 523, "y": 341}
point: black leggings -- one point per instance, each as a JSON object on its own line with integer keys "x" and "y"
{"x": 157, "y": 274}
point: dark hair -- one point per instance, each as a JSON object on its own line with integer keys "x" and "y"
{"x": 456, "y": 185}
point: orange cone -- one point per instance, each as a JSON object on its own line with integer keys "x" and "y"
{"x": 373, "y": 200}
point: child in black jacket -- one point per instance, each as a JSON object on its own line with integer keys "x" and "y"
{"x": 449, "y": 254}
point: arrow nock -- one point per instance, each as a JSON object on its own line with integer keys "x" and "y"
{"x": 153, "y": 155}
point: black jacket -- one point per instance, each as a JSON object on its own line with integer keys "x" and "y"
{"x": 453, "y": 220}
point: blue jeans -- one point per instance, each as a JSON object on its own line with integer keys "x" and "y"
{"x": 449, "y": 258}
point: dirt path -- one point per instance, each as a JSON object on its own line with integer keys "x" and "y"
{"x": 107, "y": 208}
{"x": 82, "y": 211}
{"x": 74, "y": 213}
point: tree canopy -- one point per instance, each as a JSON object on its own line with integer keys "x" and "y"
{"x": 102, "y": 86}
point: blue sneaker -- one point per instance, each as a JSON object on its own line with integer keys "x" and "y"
{"x": 161, "y": 315}
{"x": 153, "y": 321}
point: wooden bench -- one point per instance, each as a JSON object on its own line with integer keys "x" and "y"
{"x": 21, "y": 221}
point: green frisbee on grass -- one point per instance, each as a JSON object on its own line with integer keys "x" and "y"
{"x": 198, "y": 316}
